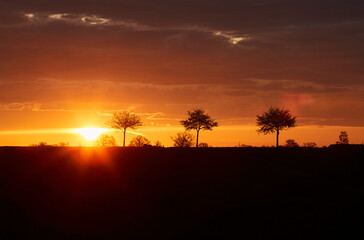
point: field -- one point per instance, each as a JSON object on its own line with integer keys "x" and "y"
{"x": 134, "y": 193}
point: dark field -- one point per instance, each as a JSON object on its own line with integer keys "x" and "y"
{"x": 134, "y": 193}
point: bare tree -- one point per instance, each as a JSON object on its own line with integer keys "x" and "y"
{"x": 291, "y": 143}
{"x": 183, "y": 139}
{"x": 158, "y": 144}
{"x": 105, "y": 141}
{"x": 275, "y": 120}
{"x": 343, "y": 138}
{"x": 139, "y": 141}
{"x": 124, "y": 120}
{"x": 198, "y": 120}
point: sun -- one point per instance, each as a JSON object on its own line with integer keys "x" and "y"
{"x": 90, "y": 133}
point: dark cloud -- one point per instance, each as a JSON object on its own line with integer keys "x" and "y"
{"x": 233, "y": 14}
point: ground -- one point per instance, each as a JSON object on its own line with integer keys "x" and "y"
{"x": 133, "y": 193}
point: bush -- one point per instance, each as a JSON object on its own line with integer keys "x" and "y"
{"x": 310, "y": 144}
{"x": 158, "y": 144}
{"x": 139, "y": 141}
{"x": 105, "y": 141}
{"x": 291, "y": 143}
{"x": 183, "y": 139}
{"x": 203, "y": 145}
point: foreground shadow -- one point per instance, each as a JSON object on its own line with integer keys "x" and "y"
{"x": 73, "y": 193}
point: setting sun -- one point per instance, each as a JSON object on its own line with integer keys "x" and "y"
{"x": 91, "y": 133}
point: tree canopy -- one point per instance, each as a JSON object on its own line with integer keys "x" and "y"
{"x": 291, "y": 143}
{"x": 343, "y": 138}
{"x": 124, "y": 120}
{"x": 275, "y": 120}
{"x": 198, "y": 120}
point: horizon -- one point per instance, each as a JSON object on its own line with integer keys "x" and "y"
{"x": 73, "y": 138}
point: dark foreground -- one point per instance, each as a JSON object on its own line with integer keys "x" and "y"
{"x": 90, "y": 193}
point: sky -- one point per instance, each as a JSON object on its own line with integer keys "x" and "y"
{"x": 71, "y": 64}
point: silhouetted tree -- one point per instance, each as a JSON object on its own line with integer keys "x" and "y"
{"x": 63, "y": 144}
{"x": 40, "y": 144}
{"x": 158, "y": 144}
{"x": 203, "y": 145}
{"x": 183, "y": 139}
{"x": 291, "y": 143}
{"x": 343, "y": 138}
{"x": 244, "y": 145}
{"x": 124, "y": 120}
{"x": 105, "y": 141}
{"x": 275, "y": 120}
{"x": 198, "y": 120}
{"x": 139, "y": 141}
{"x": 310, "y": 144}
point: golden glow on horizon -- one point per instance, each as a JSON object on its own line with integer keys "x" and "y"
{"x": 223, "y": 136}
{"x": 90, "y": 133}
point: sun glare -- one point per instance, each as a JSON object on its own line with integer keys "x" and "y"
{"x": 91, "y": 133}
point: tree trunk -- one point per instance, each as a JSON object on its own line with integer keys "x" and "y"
{"x": 124, "y": 138}
{"x": 277, "y": 137}
{"x": 197, "y": 138}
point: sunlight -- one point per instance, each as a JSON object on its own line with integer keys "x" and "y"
{"x": 90, "y": 133}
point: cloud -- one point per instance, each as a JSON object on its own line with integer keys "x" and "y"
{"x": 231, "y": 36}
{"x": 234, "y": 39}
{"x": 30, "y": 16}
{"x": 173, "y": 55}
{"x": 169, "y": 103}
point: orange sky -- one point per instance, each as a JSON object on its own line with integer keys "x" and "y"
{"x": 66, "y": 65}
{"x": 61, "y": 125}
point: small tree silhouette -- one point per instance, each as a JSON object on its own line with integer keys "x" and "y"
{"x": 63, "y": 144}
{"x": 105, "y": 141}
{"x": 139, "y": 141}
{"x": 198, "y": 120}
{"x": 275, "y": 120}
{"x": 124, "y": 120}
{"x": 41, "y": 144}
{"x": 183, "y": 139}
{"x": 244, "y": 145}
{"x": 291, "y": 143}
{"x": 343, "y": 138}
{"x": 158, "y": 144}
{"x": 203, "y": 145}
{"x": 310, "y": 144}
